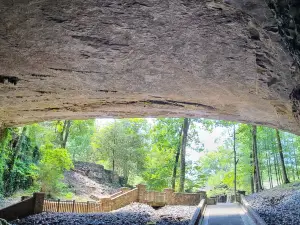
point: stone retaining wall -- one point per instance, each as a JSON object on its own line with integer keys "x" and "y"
{"x": 98, "y": 173}
{"x": 125, "y": 197}
{"x": 153, "y": 198}
{"x": 27, "y": 207}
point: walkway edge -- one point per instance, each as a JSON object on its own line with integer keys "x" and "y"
{"x": 251, "y": 212}
{"x": 198, "y": 214}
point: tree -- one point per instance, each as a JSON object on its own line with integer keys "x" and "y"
{"x": 234, "y": 160}
{"x": 257, "y": 175}
{"x": 185, "y": 129}
{"x": 80, "y": 140}
{"x": 51, "y": 169}
{"x": 176, "y": 161}
{"x": 162, "y": 159}
{"x": 63, "y": 128}
{"x": 284, "y": 174}
{"x": 166, "y": 144}
{"x": 19, "y": 140}
{"x": 122, "y": 144}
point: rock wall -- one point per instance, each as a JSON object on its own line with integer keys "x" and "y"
{"x": 74, "y": 59}
{"x": 287, "y": 14}
{"x": 97, "y": 173}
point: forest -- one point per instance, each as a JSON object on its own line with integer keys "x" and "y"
{"x": 161, "y": 153}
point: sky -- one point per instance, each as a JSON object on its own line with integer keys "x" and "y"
{"x": 211, "y": 142}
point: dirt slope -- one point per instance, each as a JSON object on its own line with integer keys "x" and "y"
{"x": 91, "y": 181}
{"x": 87, "y": 188}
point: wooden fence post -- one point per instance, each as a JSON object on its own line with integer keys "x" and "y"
{"x": 73, "y": 206}
{"x": 87, "y": 206}
{"x": 58, "y": 201}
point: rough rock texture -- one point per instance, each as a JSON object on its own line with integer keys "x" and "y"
{"x": 125, "y": 58}
{"x": 287, "y": 14}
{"x": 91, "y": 181}
{"x": 279, "y": 205}
{"x": 98, "y": 173}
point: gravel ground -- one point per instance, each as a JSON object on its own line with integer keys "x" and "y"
{"x": 133, "y": 214}
{"x": 279, "y": 205}
{"x": 5, "y": 202}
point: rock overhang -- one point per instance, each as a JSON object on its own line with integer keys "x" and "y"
{"x": 129, "y": 58}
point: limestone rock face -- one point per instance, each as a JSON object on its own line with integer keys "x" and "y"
{"x": 140, "y": 58}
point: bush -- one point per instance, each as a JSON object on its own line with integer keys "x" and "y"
{"x": 52, "y": 166}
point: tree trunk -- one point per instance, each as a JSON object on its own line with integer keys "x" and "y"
{"x": 113, "y": 159}
{"x": 17, "y": 150}
{"x": 284, "y": 175}
{"x": 252, "y": 172}
{"x": 276, "y": 169}
{"x": 65, "y": 133}
{"x": 186, "y": 124}
{"x": 296, "y": 162}
{"x": 256, "y": 163}
{"x": 176, "y": 160}
{"x": 235, "y": 161}
{"x": 3, "y": 133}
{"x": 113, "y": 149}
{"x": 252, "y": 183}
{"x": 269, "y": 171}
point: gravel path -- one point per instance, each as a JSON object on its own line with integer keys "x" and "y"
{"x": 279, "y": 205}
{"x": 133, "y": 214}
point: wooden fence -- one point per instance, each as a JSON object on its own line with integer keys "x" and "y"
{"x": 125, "y": 197}
{"x": 71, "y": 206}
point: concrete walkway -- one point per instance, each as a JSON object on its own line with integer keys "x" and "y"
{"x": 226, "y": 214}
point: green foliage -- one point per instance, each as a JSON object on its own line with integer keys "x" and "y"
{"x": 17, "y": 161}
{"x": 141, "y": 150}
{"x": 123, "y": 144}
{"x": 164, "y": 139}
{"x": 80, "y": 140}
{"x": 52, "y": 165}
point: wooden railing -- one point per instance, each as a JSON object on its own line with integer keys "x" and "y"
{"x": 125, "y": 197}
{"x": 71, "y": 206}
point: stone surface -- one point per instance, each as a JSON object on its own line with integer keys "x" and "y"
{"x": 98, "y": 173}
{"x": 279, "y": 205}
{"x": 133, "y": 214}
{"x": 91, "y": 181}
{"x": 130, "y": 58}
